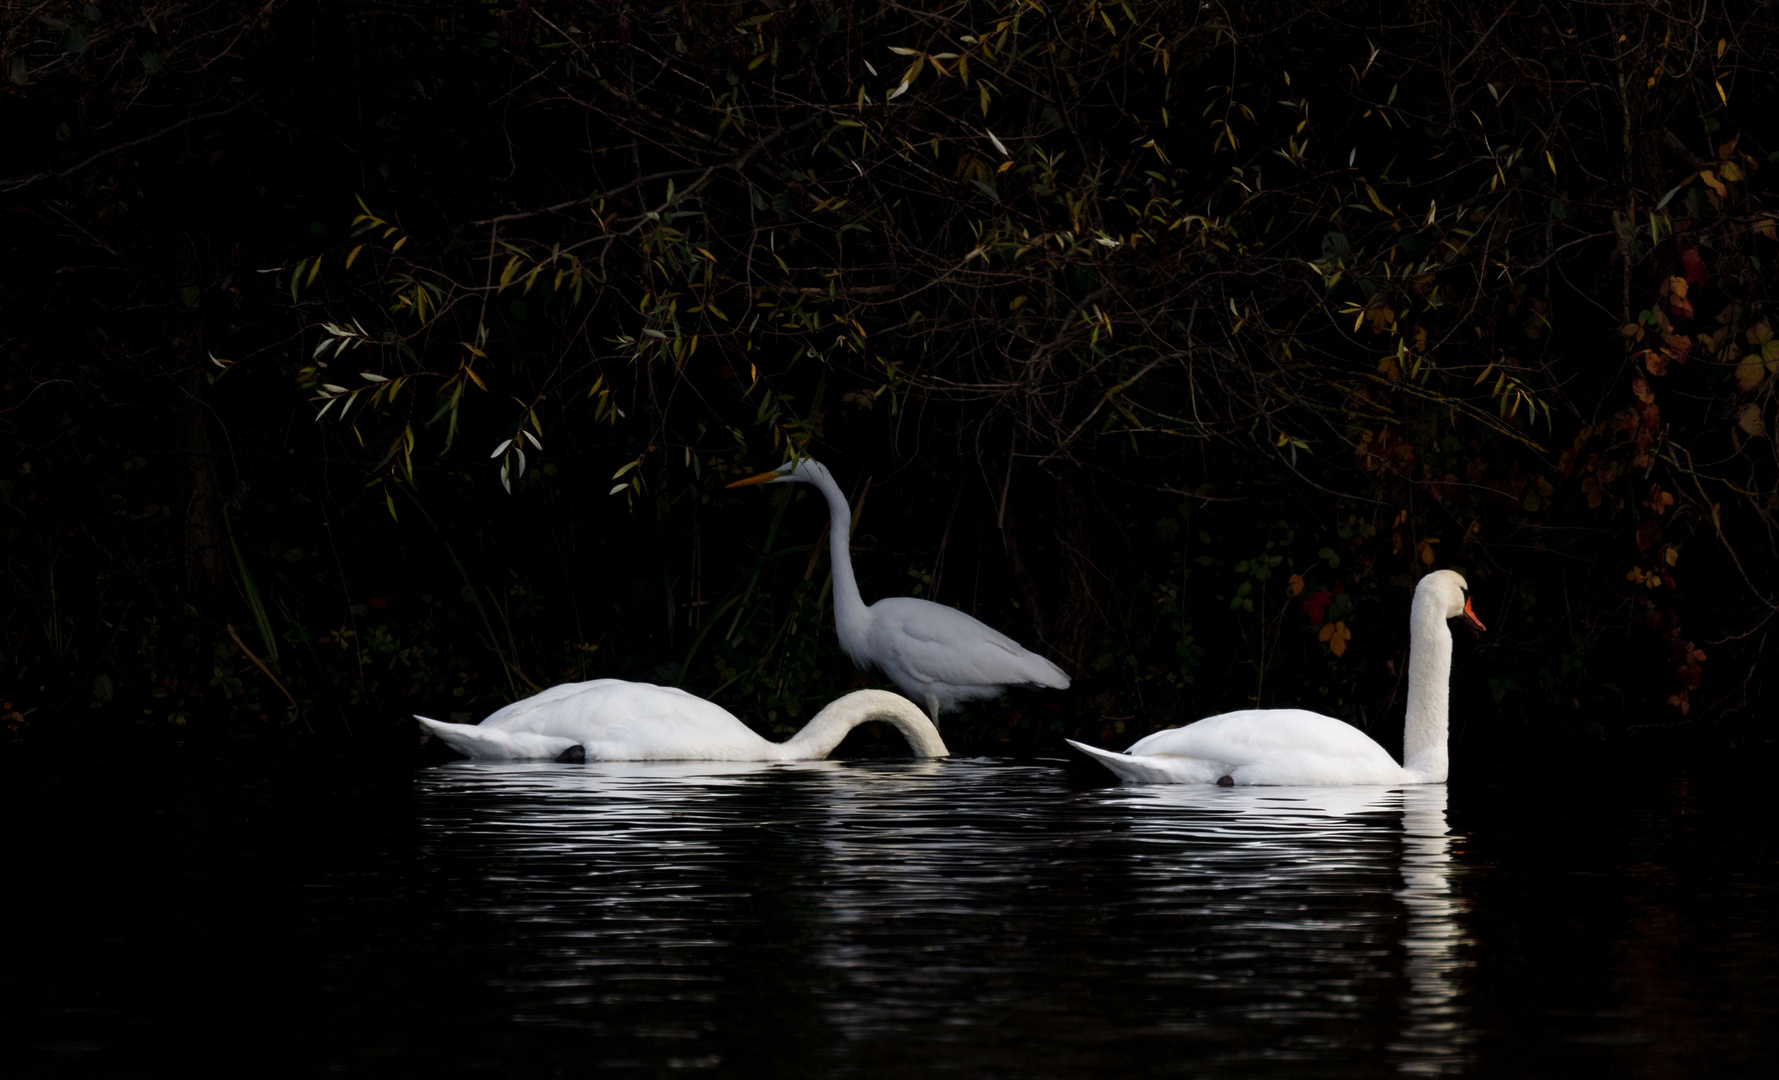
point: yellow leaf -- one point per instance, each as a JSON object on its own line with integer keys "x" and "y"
{"x": 1296, "y": 584}
{"x": 1749, "y": 421}
{"x": 1427, "y": 550}
{"x": 399, "y": 243}
{"x": 1750, "y": 373}
{"x": 1713, "y": 182}
{"x": 353, "y": 254}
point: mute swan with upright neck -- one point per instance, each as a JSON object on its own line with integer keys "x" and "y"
{"x": 614, "y": 720}
{"x": 936, "y": 654}
{"x": 1294, "y": 746}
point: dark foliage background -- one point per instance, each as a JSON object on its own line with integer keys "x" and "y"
{"x": 1175, "y": 339}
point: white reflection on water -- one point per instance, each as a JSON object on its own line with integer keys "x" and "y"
{"x": 984, "y": 910}
{"x": 1437, "y": 1035}
{"x": 1292, "y": 834}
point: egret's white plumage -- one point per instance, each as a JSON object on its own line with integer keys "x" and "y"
{"x": 1294, "y": 746}
{"x": 614, "y": 720}
{"x": 936, "y": 654}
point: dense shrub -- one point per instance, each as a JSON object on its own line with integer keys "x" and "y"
{"x": 371, "y": 359}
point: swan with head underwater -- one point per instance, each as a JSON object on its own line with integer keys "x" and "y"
{"x": 614, "y": 720}
{"x": 936, "y": 654}
{"x": 1298, "y": 747}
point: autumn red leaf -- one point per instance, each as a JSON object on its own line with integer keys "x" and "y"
{"x": 1315, "y": 605}
{"x": 1692, "y": 266}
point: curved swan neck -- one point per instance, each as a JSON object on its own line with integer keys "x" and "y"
{"x": 1424, "y": 729}
{"x": 850, "y": 615}
{"x": 822, "y": 734}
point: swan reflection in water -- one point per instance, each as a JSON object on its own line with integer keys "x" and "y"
{"x": 1437, "y": 1036}
{"x": 1293, "y": 836}
{"x": 953, "y": 909}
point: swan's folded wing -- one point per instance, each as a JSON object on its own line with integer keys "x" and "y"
{"x": 1258, "y": 735}
{"x": 505, "y": 717}
{"x": 617, "y": 720}
{"x": 706, "y": 733}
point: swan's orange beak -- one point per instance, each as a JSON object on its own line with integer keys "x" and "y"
{"x": 763, "y": 478}
{"x": 1469, "y": 613}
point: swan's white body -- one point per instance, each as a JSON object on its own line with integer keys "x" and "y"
{"x": 1297, "y": 747}
{"x": 614, "y": 720}
{"x": 936, "y": 654}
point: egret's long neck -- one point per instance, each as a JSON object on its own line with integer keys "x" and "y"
{"x": 1429, "y": 690}
{"x": 821, "y": 735}
{"x": 851, "y": 618}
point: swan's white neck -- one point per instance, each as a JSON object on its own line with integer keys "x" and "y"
{"x": 822, "y": 734}
{"x": 1429, "y": 690}
{"x": 851, "y": 618}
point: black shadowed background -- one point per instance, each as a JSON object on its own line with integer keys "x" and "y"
{"x": 363, "y": 359}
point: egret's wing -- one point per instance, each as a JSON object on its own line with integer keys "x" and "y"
{"x": 941, "y": 644}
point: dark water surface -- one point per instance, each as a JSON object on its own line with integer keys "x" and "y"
{"x": 966, "y": 917}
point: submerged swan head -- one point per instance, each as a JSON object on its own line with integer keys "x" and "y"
{"x": 1449, "y": 594}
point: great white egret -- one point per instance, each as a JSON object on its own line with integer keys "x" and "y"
{"x": 614, "y": 720}
{"x": 936, "y": 654}
{"x": 1294, "y": 746}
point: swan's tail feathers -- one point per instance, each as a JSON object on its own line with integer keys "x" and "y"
{"x": 492, "y": 744}
{"x": 1133, "y": 769}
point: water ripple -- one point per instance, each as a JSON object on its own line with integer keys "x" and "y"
{"x": 973, "y": 917}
